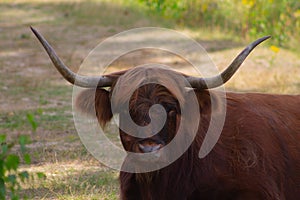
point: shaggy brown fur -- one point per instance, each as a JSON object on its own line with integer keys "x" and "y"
{"x": 256, "y": 157}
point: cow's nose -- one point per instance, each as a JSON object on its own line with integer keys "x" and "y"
{"x": 147, "y": 148}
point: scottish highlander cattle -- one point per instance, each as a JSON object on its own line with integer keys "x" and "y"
{"x": 257, "y": 155}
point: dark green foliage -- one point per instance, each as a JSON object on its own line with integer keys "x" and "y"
{"x": 11, "y": 177}
{"x": 244, "y": 18}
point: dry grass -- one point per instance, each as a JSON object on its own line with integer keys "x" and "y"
{"x": 73, "y": 180}
{"x": 264, "y": 71}
{"x": 29, "y": 84}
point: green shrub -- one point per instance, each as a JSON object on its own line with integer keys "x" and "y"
{"x": 244, "y": 18}
{"x": 11, "y": 177}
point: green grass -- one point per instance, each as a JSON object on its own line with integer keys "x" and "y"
{"x": 50, "y": 119}
{"x": 74, "y": 181}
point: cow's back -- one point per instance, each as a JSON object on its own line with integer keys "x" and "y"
{"x": 263, "y": 133}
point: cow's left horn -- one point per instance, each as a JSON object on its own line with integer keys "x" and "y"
{"x": 212, "y": 82}
{"x": 82, "y": 81}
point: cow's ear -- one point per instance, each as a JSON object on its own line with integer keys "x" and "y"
{"x": 210, "y": 101}
{"x": 93, "y": 102}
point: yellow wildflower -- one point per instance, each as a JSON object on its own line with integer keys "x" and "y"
{"x": 297, "y": 13}
{"x": 249, "y": 3}
{"x": 275, "y": 48}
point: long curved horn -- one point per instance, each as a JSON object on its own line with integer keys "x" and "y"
{"x": 212, "y": 82}
{"x": 81, "y": 81}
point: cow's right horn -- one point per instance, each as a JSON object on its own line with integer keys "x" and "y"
{"x": 81, "y": 81}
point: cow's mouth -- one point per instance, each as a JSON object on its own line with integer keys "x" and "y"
{"x": 150, "y": 145}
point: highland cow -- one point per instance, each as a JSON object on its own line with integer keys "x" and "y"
{"x": 256, "y": 157}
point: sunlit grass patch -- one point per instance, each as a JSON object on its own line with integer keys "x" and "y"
{"x": 49, "y": 118}
{"x": 264, "y": 71}
{"x": 74, "y": 181}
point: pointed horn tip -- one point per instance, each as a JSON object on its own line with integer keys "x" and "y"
{"x": 33, "y": 29}
{"x": 251, "y": 46}
{"x": 266, "y": 37}
{"x": 35, "y": 32}
{"x": 260, "y": 40}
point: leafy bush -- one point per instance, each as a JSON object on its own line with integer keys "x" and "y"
{"x": 246, "y": 18}
{"x": 10, "y": 177}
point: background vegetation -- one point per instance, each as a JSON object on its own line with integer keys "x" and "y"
{"x": 245, "y": 19}
{"x": 35, "y": 102}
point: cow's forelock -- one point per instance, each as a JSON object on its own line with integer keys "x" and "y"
{"x": 140, "y": 103}
{"x": 135, "y": 78}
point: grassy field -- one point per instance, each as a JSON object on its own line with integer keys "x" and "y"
{"x": 29, "y": 84}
